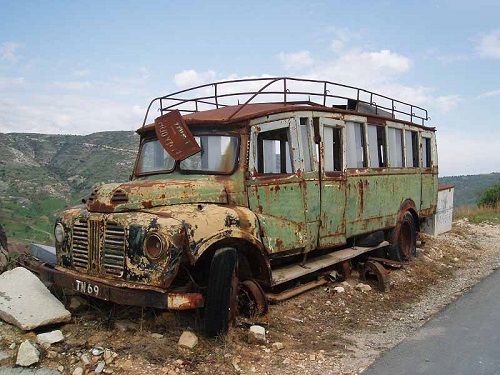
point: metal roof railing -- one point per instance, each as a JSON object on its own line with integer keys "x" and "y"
{"x": 286, "y": 90}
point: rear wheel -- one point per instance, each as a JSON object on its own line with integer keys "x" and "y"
{"x": 221, "y": 303}
{"x": 404, "y": 240}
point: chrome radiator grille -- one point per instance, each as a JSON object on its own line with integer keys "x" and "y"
{"x": 98, "y": 247}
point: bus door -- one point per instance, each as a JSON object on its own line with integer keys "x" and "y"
{"x": 276, "y": 186}
{"x": 333, "y": 182}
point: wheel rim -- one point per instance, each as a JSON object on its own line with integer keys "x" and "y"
{"x": 233, "y": 300}
{"x": 252, "y": 300}
{"x": 406, "y": 239}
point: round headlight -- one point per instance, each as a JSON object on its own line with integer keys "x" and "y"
{"x": 59, "y": 232}
{"x": 154, "y": 246}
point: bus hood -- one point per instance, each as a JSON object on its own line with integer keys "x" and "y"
{"x": 138, "y": 195}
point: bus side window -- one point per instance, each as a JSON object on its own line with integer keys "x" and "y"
{"x": 426, "y": 152}
{"x": 355, "y": 145}
{"x": 377, "y": 146}
{"x": 395, "y": 147}
{"x": 273, "y": 152}
{"x": 332, "y": 138}
{"x": 412, "y": 157}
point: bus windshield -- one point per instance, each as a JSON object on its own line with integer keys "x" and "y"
{"x": 218, "y": 155}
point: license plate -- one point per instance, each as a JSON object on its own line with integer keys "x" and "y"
{"x": 87, "y": 288}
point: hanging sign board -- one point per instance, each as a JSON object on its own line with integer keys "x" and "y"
{"x": 175, "y": 136}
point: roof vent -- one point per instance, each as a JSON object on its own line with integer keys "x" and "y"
{"x": 119, "y": 197}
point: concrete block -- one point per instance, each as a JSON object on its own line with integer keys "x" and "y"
{"x": 27, "y": 303}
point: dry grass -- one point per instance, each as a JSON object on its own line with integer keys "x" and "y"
{"x": 478, "y": 214}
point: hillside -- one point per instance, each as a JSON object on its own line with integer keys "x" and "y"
{"x": 41, "y": 174}
{"x": 469, "y": 188}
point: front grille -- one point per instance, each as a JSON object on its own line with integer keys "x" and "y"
{"x": 80, "y": 246}
{"x": 114, "y": 249}
{"x": 99, "y": 248}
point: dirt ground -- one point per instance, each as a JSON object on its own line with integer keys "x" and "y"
{"x": 321, "y": 331}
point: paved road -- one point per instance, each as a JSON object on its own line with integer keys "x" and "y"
{"x": 462, "y": 339}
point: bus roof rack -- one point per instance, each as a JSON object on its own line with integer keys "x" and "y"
{"x": 287, "y": 91}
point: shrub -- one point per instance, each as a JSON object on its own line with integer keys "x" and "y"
{"x": 490, "y": 197}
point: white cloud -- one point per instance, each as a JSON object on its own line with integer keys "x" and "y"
{"x": 296, "y": 60}
{"x": 190, "y": 78}
{"x": 488, "y": 94}
{"x": 8, "y": 51}
{"x": 447, "y": 103}
{"x": 489, "y": 45}
{"x": 341, "y": 39}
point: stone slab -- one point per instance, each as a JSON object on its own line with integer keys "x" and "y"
{"x": 27, "y": 303}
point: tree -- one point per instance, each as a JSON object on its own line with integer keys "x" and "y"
{"x": 490, "y": 197}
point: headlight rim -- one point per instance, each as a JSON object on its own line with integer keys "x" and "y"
{"x": 62, "y": 233}
{"x": 163, "y": 242}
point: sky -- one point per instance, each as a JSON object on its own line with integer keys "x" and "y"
{"x": 69, "y": 67}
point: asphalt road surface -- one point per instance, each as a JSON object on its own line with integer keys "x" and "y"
{"x": 462, "y": 339}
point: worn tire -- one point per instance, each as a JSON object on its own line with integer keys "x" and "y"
{"x": 403, "y": 240}
{"x": 220, "y": 292}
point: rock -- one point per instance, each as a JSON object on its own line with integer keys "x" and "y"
{"x": 125, "y": 325}
{"x": 339, "y": 289}
{"x": 76, "y": 303}
{"x": 127, "y": 365}
{"x": 97, "y": 351}
{"x": 312, "y": 357}
{"x": 188, "y": 340}
{"x": 345, "y": 284}
{"x": 4, "y": 357}
{"x": 156, "y": 335}
{"x": 109, "y": 356}
{"x": 12, "y": 346}
{"x": 27, "y": 303}
{"x": 52, "y": 354}
{"x": 100, "y": 367}
{"x": 60, "y": 368}
{"x": 77, "y": 371}
{"x": 85, "y": 359}
{"x": 363, "y": 287}
{"x": 48, "y": 338}
{"x": 171, "y": 372}
{"x": 278, "y": 345}
{"x": 256, "y": 334}
{"x": 27, "y": 354}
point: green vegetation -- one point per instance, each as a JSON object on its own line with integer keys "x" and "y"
{"x": 478, "y": 215}
{"x": 490, "y": 197}
{"x": 41, "y": 175}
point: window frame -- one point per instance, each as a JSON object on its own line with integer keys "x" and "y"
{"x": 262, "y": 127}
{"x": 326, "y": 122}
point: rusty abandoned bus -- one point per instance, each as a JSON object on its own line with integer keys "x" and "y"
{"x": 252, "y": 190}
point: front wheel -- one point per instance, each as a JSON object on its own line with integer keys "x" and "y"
{"x": 221, "y": 303}
{"x": 404, "y": 240}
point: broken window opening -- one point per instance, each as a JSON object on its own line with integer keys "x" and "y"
{"x": 273, "y": 152}
{"x": 426, "y": 152}
{"x": 412, "y": 157}
{"x": 396, "y": 151}
{"x": 332, "y": 138}
{"x": 356, "y": 152}
{"x": 377, "y": 145}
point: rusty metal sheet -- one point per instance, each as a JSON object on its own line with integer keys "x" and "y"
{"x": 175, "y": 136}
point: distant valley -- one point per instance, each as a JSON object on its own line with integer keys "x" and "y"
{"x": 41, "y": 174}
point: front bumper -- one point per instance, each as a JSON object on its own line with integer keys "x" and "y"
{"x": 120, "y": 292}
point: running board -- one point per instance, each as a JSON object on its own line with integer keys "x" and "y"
{"x": 294, "y": 271}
